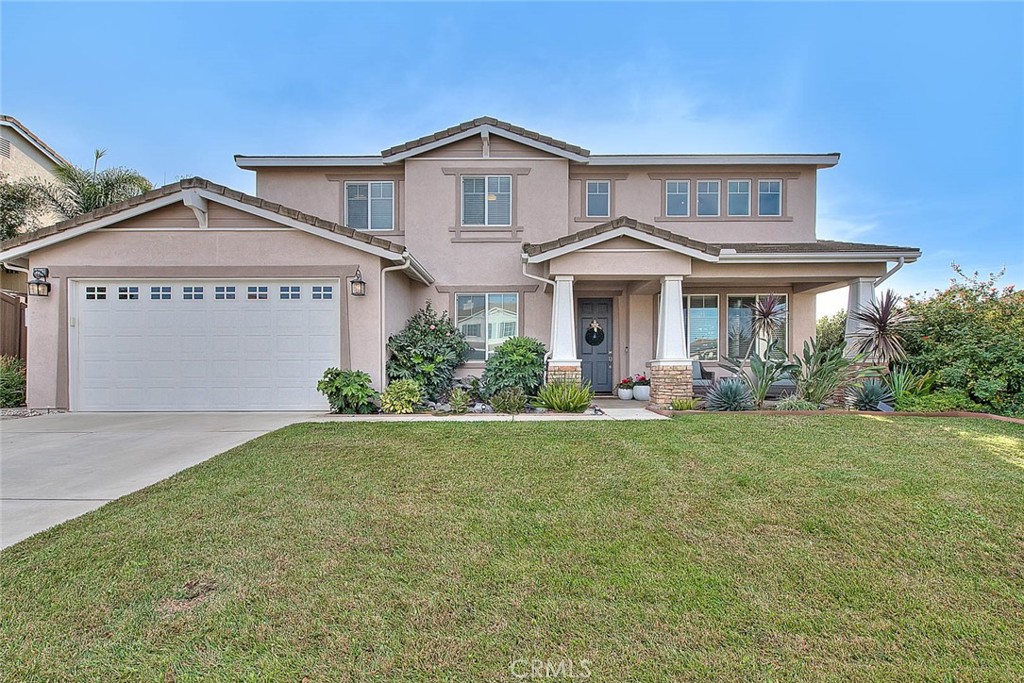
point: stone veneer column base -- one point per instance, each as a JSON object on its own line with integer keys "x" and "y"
{"x": 669, "y": 382}
{"x": 564, "y": 373}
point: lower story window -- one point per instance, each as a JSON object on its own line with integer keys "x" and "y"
{"x": 741, "y": 325}
{"x": 497, "y": 313}
{"x": 702, "y": 326}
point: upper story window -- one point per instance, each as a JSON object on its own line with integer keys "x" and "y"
{"x": 769, "y": 198}
{"x": 370, "y": 205}
{"x": 708, "y": 192}
{"x": 677, "y": 197}
{"x": 487, "y": 200}
{"x": 739, "y": 197}
{"x": 598, "y": 198}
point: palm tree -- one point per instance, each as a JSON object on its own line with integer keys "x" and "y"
{"x": 80, "y": 190}
{"x": 881, "y": 324}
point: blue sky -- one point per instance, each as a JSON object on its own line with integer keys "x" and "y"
{"x": 923, "y": 100}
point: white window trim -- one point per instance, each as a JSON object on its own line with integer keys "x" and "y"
{"x": 485, "y": 325}
{"x": 769, "y": 180}
{"x": 369, "y": 202}
{"x": 689, "y": 199}
{"x": 728, "y": 197}
{"x": 789, "y": 315}
{"x": 718, "y": 204}
{"x": 586, "y": 200}
{"x": 462, "y": 200}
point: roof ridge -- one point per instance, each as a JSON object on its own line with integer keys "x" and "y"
{"x": 484, "y": 121}
{"x": 197, "y": 182}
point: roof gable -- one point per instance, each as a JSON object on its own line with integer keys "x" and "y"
{"x": 623, "y": 226}
{"x": 33, "y": 139}
{"x": 193, "y": 192}
{"x": 485, "y": 126}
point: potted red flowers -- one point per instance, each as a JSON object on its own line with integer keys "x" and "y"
{"x": 641, "y": 388}
{"x": 625, "y": 387}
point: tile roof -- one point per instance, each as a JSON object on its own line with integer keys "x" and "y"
{"x": 200, "y": 184}
{"x": 484, "y": 121}
{"x": 33, "y": 138}
{"x": 615, "y": 224}
{"x": 816, "y": 247}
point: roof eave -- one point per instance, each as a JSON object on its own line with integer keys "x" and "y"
{"x": 820, "y": 257}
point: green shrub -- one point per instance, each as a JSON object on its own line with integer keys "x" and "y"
{"x": 401, "y": 397}
{"x": 517, "y": 362}
{"x": 868, "y": 394}
{"x": 684, "y": 403}
{"x": 831, "y": 331}
{"x": 794, "y": 402}
{"x": 970, "y": 336}
{"x": 729, "y": 394}
{"x": 428, "y": 350}
{"x": 459, "y": 400}
{"x": 942, "y": 401}
{"x": 565, "y": 397}
{"x": 348, "y": 391}
{"x": 509, "y": 400}
{"x": 12, "y": 382}
{"x": 904, "y": 383}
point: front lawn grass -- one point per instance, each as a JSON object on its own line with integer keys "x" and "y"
{"x": 708, "y": 547}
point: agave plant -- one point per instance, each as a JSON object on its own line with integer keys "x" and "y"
{"x": 730, "y": 394}
{"x": 881, "y": 325}
{"x": 763, "y": 372}
{"x": 821, "y": 372}
{"x": 868, "y": 394}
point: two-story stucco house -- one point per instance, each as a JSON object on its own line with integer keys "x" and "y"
{"x": 24, "y": 156}
{"x": 195, "y": 296}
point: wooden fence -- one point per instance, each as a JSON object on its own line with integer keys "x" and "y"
{"x": 13, "y": 335}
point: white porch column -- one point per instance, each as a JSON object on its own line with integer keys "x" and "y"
{"x": 563, "y": 323}
{"x": 671, "y": 348}
{"x": 862, "y": 294}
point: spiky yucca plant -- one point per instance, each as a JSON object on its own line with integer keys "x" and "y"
{"x": 881, "y": 325}
{"x": 730, "y": 394}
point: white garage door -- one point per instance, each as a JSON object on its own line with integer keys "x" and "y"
{"x": 202, "y": 344}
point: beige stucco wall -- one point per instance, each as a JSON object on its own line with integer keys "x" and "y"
{"x": 191, "y": 252}
{"x": 27, "y": 162}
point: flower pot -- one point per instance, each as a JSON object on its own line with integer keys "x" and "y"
{"x": 642, "y": 392}
{"x": 626, "y": 394}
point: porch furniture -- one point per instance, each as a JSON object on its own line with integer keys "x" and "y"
{"x": 702, "y": 379}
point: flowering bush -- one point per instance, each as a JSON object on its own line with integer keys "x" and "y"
{"x": 428, "y": 350}
{"x": 641, "y": 380}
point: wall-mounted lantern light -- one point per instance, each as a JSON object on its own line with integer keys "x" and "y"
{"x": 357, "y": 284}
{"x": 38, "y": 286}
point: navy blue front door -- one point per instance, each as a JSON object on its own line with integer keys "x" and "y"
{"x": 595, "y": 316}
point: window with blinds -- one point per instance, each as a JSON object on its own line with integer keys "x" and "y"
{"x": 370, "y": 205}
{"x": 487, "y": 200}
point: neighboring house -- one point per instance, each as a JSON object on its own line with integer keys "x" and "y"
{"x": 194, "y": 296}
{"x": 24, "y": 156}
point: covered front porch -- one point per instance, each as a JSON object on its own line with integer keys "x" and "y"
{"x": 635, "y": 299}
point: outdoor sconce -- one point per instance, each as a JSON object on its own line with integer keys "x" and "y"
{"x": 357, "y": 284}
{"x": 38, "y": 286}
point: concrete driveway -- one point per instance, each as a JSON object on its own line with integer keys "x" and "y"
{"x": 55, "y": 467}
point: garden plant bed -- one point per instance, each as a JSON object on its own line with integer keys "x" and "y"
{"x": 718, "y": 547}
{"x": 838, "y": 411}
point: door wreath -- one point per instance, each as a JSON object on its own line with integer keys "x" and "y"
{"x": 594, "y": 335}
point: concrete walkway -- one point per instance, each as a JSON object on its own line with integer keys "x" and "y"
{"x": 56, "y": 467}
